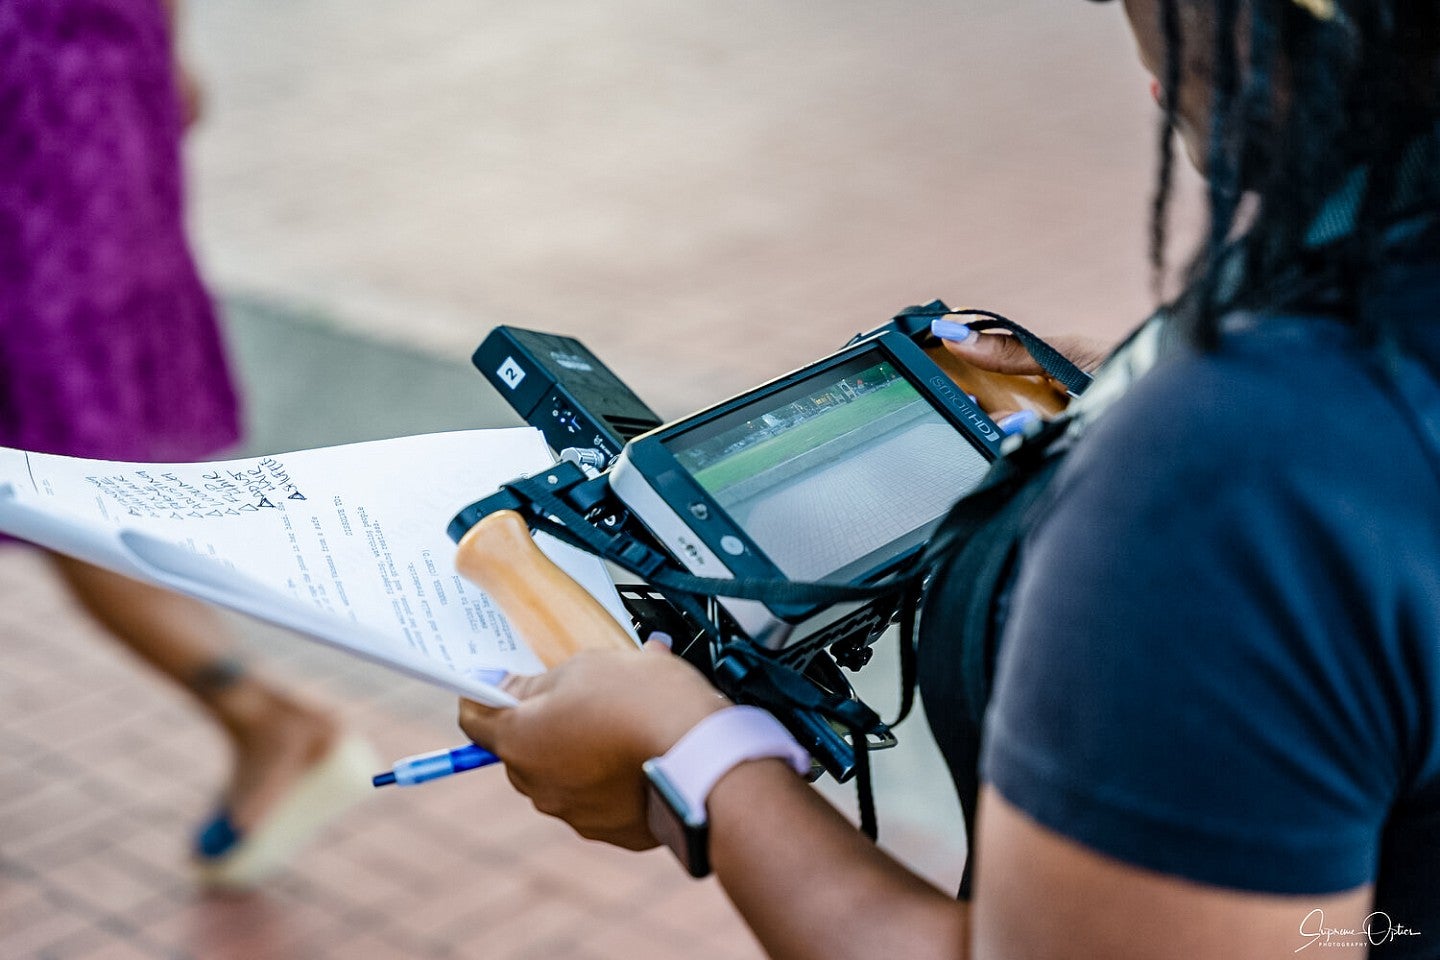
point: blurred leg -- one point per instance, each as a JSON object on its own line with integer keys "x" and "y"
{"x": 275, "y": 737}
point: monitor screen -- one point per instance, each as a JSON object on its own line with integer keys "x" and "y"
{"x": 835, "y": 475}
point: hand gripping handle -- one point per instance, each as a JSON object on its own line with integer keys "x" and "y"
{"x": 551, "y": 612}
{"x": 1001, "y": 391}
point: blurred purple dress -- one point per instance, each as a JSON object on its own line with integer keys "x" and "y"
{"x": 109, "y": 345}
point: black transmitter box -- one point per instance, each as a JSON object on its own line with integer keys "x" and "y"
{"x": 556, "y": 385}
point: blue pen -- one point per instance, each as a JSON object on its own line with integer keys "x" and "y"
{"x": 432, "y": 766}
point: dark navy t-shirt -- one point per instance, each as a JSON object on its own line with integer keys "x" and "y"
{"x": 1222, "y": 659}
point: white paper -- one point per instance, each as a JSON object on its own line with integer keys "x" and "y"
{"x": 345, "y": 544}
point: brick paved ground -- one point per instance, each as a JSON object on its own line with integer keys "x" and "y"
{"x": 708, "y": 194}
{"x": 104, "y": 772}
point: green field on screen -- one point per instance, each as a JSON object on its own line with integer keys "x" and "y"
{"x": 806, "y": 436}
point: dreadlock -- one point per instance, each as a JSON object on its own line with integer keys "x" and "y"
{"x": 1304, "y": 109}
{"x": 1175, "y": 51}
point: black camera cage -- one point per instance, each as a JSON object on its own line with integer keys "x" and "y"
{"x": 803, "y": 685}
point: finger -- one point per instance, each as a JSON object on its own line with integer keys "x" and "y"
{"x": 192, "y": 97}
{"x": 523, "y": 687}
{"x": 629, "y": 837}
{"x": 636, "y": 838}
{"x": 481, "y": 723}
{"x": 520, "y": 782}
{"x": 1086, "y": 353}
{"x": 1016, "y": 422}
{"x": 658, "y": 643}
{"x": 996, "y": 352}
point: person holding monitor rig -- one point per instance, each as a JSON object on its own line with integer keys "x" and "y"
{"x": 1214, "y": 730}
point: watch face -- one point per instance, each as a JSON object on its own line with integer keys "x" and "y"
{"x": 671, "y": 823}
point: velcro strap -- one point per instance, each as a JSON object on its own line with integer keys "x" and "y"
{"x": 1055, "y": 364}
{"x": 912, "y": 320}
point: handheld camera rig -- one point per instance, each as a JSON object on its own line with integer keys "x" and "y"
{"x": 775, "y": 536}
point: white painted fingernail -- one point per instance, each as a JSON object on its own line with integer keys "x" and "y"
{"x": 950, "y": 330}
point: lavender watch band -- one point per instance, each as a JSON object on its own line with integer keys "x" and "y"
{"x": 721, "y": 741}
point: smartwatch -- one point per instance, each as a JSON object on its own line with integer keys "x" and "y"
{"x": 679, "y": 783}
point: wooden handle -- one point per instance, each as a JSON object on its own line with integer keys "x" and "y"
{"x": 552, "y": 613}
{"x": 1001, "y": 391}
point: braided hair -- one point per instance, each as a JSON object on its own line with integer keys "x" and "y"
{"x": 1309, "y": 99}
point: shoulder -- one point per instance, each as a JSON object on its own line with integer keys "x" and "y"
{"x": 1286, "y": 398}
{"x": 1286, "y": 435}
{"x": 1210, "y": 593}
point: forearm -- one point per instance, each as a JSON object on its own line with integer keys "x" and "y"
{"x": 811, "y": 886}
{"x": 808, "y": 883}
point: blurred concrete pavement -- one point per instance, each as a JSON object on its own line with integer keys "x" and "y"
{"x": 708, "y": 194}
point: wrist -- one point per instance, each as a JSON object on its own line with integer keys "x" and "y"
{"x": 667, "y": 719}
{"x": 680, "y": 781}
{"x": 667, "y": 734}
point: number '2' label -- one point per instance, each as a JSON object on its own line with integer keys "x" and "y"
{"x": 510, "y": 373}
